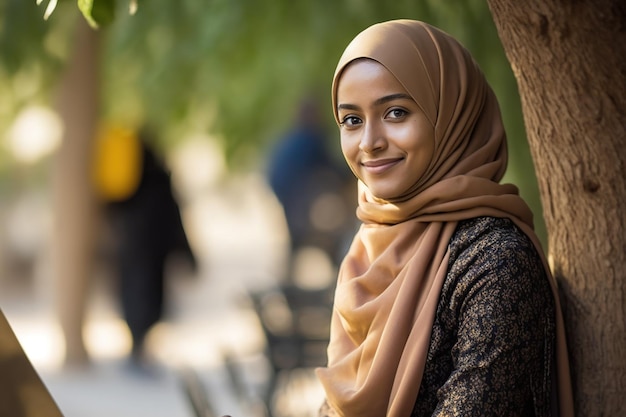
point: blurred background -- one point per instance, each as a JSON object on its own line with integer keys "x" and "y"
{"x": 150, "y": 259}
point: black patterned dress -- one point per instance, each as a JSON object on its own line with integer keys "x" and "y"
{"x": 493, "y": 337}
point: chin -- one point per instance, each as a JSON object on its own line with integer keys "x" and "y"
{"x": 385, "y": 193}
{"x": 382, "y": 195}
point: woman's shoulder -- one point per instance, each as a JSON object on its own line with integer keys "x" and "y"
{"x": 494, "y": 252}
{"x": 489, "y": 238}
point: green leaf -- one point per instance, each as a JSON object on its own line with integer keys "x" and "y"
{"x": 98, "y": 13}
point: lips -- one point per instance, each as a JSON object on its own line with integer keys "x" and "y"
{"x": 380, "y": 165}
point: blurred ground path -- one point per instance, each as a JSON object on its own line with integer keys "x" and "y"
{"x": 239, "y": 241}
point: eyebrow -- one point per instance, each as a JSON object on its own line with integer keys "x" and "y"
{"x": 378, "y": 101}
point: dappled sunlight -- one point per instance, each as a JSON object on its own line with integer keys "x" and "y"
{"x": 204, "y": 344}
{"x": 302, "y": 394}
{"x": 35, "y": 133}
{"x": 196, "y": 164}
{"x": 41, "y": 340}
{"x": 313, "y": 268}
{"x": 107, "y": 338}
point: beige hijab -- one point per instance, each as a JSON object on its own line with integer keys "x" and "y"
{"x": 389, "y": 282}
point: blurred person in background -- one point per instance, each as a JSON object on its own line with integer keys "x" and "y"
{"x": 314, "y": 190}
{"x": 146, "y": 228}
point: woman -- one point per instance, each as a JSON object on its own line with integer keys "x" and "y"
{"x": 444, "y": 303}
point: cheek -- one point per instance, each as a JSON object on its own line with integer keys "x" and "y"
{"x": 415, "y": 138}
{"x": 348, "y": 148}
{"x": 405, "y": 135}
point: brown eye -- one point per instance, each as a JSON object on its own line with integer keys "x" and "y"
{"x": 350, "y": 121}
{"x": 397, "y": 113}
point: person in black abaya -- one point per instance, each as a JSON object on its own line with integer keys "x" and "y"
{"x": 147, "y": 228}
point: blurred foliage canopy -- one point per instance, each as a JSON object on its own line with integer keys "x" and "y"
{"x": 234, "y": 69}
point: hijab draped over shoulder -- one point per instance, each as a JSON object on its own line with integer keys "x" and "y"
{"x": 389, "y": 282}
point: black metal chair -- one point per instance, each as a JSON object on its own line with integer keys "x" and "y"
{"x": 296, "y": 324}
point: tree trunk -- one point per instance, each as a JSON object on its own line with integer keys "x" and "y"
{"x": 569, "y": 59}
{"x": 75, "y": 206}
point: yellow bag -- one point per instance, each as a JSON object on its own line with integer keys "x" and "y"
{"x": 118, "y": 163}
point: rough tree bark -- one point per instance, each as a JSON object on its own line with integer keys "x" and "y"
{"x": 75, "y": 205}
{"x": 569, "y": 58}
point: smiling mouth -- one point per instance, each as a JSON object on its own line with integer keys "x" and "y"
{"x": 380, "y": 165}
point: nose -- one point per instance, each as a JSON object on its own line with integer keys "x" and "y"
{"x": 373, "y": 139}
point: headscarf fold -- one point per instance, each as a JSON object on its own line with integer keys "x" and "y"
{"x": 390, "y": 280}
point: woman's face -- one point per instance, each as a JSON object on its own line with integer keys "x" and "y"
{"x": 385, "y": 137}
